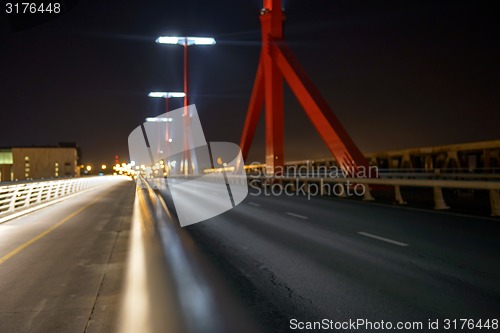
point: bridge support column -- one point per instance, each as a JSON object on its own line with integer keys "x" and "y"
{"x": 398, "y": 195}
{"x": 343, "y": 194}
{"x": 439, "y": 202}
{"x": 406, "y": 161}
{"x": 452, "y": 161}
{"x": 495, "y": 203}
{"x": 368, "y": 196}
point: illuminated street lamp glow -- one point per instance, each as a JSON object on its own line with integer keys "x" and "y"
{"x": 89, "y": 168}
{"x": 165, "y": 94}
{"x": 167, "y": 40}
{"x": 103, "y": 166}
{"x": 185, "y": 40}
{"x": 159, "y": 120}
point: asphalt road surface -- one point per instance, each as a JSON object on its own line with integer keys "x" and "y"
{"x": 61, "y": 267}
{"x": 289, "y": 260}
{"x": 293, "y": 258}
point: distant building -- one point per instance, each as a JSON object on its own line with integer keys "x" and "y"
{"x": 26, "y": 163}
{"x": 480, "y": 157}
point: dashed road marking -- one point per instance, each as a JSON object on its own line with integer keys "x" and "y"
{"x": 382, "y": 238}
{"x": 297, "y": 215}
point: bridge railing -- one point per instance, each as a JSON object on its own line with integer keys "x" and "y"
{"x": 14, "y": 197}
{"x": 491, "y": 184}
{"x": 169, "y": 286}
{"x": 440, "y": 174}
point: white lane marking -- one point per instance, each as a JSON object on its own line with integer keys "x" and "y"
{"x": 297, "y": 215}
{"x": 382, "y": 238}
{"x": 254, "y": 204}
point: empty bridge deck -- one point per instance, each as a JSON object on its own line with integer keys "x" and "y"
{"x": 340, "y": 259}
{"x": 61, "y": 267}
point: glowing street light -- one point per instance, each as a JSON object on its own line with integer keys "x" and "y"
{"x": 185, "y": 41}
{"x": 166, "y": 95}
{"x": 159, "y": 120}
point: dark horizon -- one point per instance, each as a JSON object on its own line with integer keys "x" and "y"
{"x": 398, "y": 74}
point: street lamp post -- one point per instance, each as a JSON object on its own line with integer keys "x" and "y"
{"x": 185, "y": 42}
{"x": 166, "y": 95}
{"x": 189, "y": 161}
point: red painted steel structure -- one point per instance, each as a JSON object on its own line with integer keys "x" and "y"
{"x": 277, "y": 62}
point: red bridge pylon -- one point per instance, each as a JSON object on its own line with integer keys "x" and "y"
{"x": 277, "y": 61}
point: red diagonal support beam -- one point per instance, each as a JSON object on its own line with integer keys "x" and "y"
{"x": 277, "y": 61}
{"x": 328, "y": 126}
{"x": 254, "y": 111}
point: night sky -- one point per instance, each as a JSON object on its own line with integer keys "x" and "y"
{"x": 398, "y": 74}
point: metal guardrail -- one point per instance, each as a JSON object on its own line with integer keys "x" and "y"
{"x": 441, "y": 175}
{"x": 391, "y": 173}
{"x": 24, "y": 195}
{"x": 169, "y": 285}
{"x": 490, "y": 184}
{"x": 436, "y": 184}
